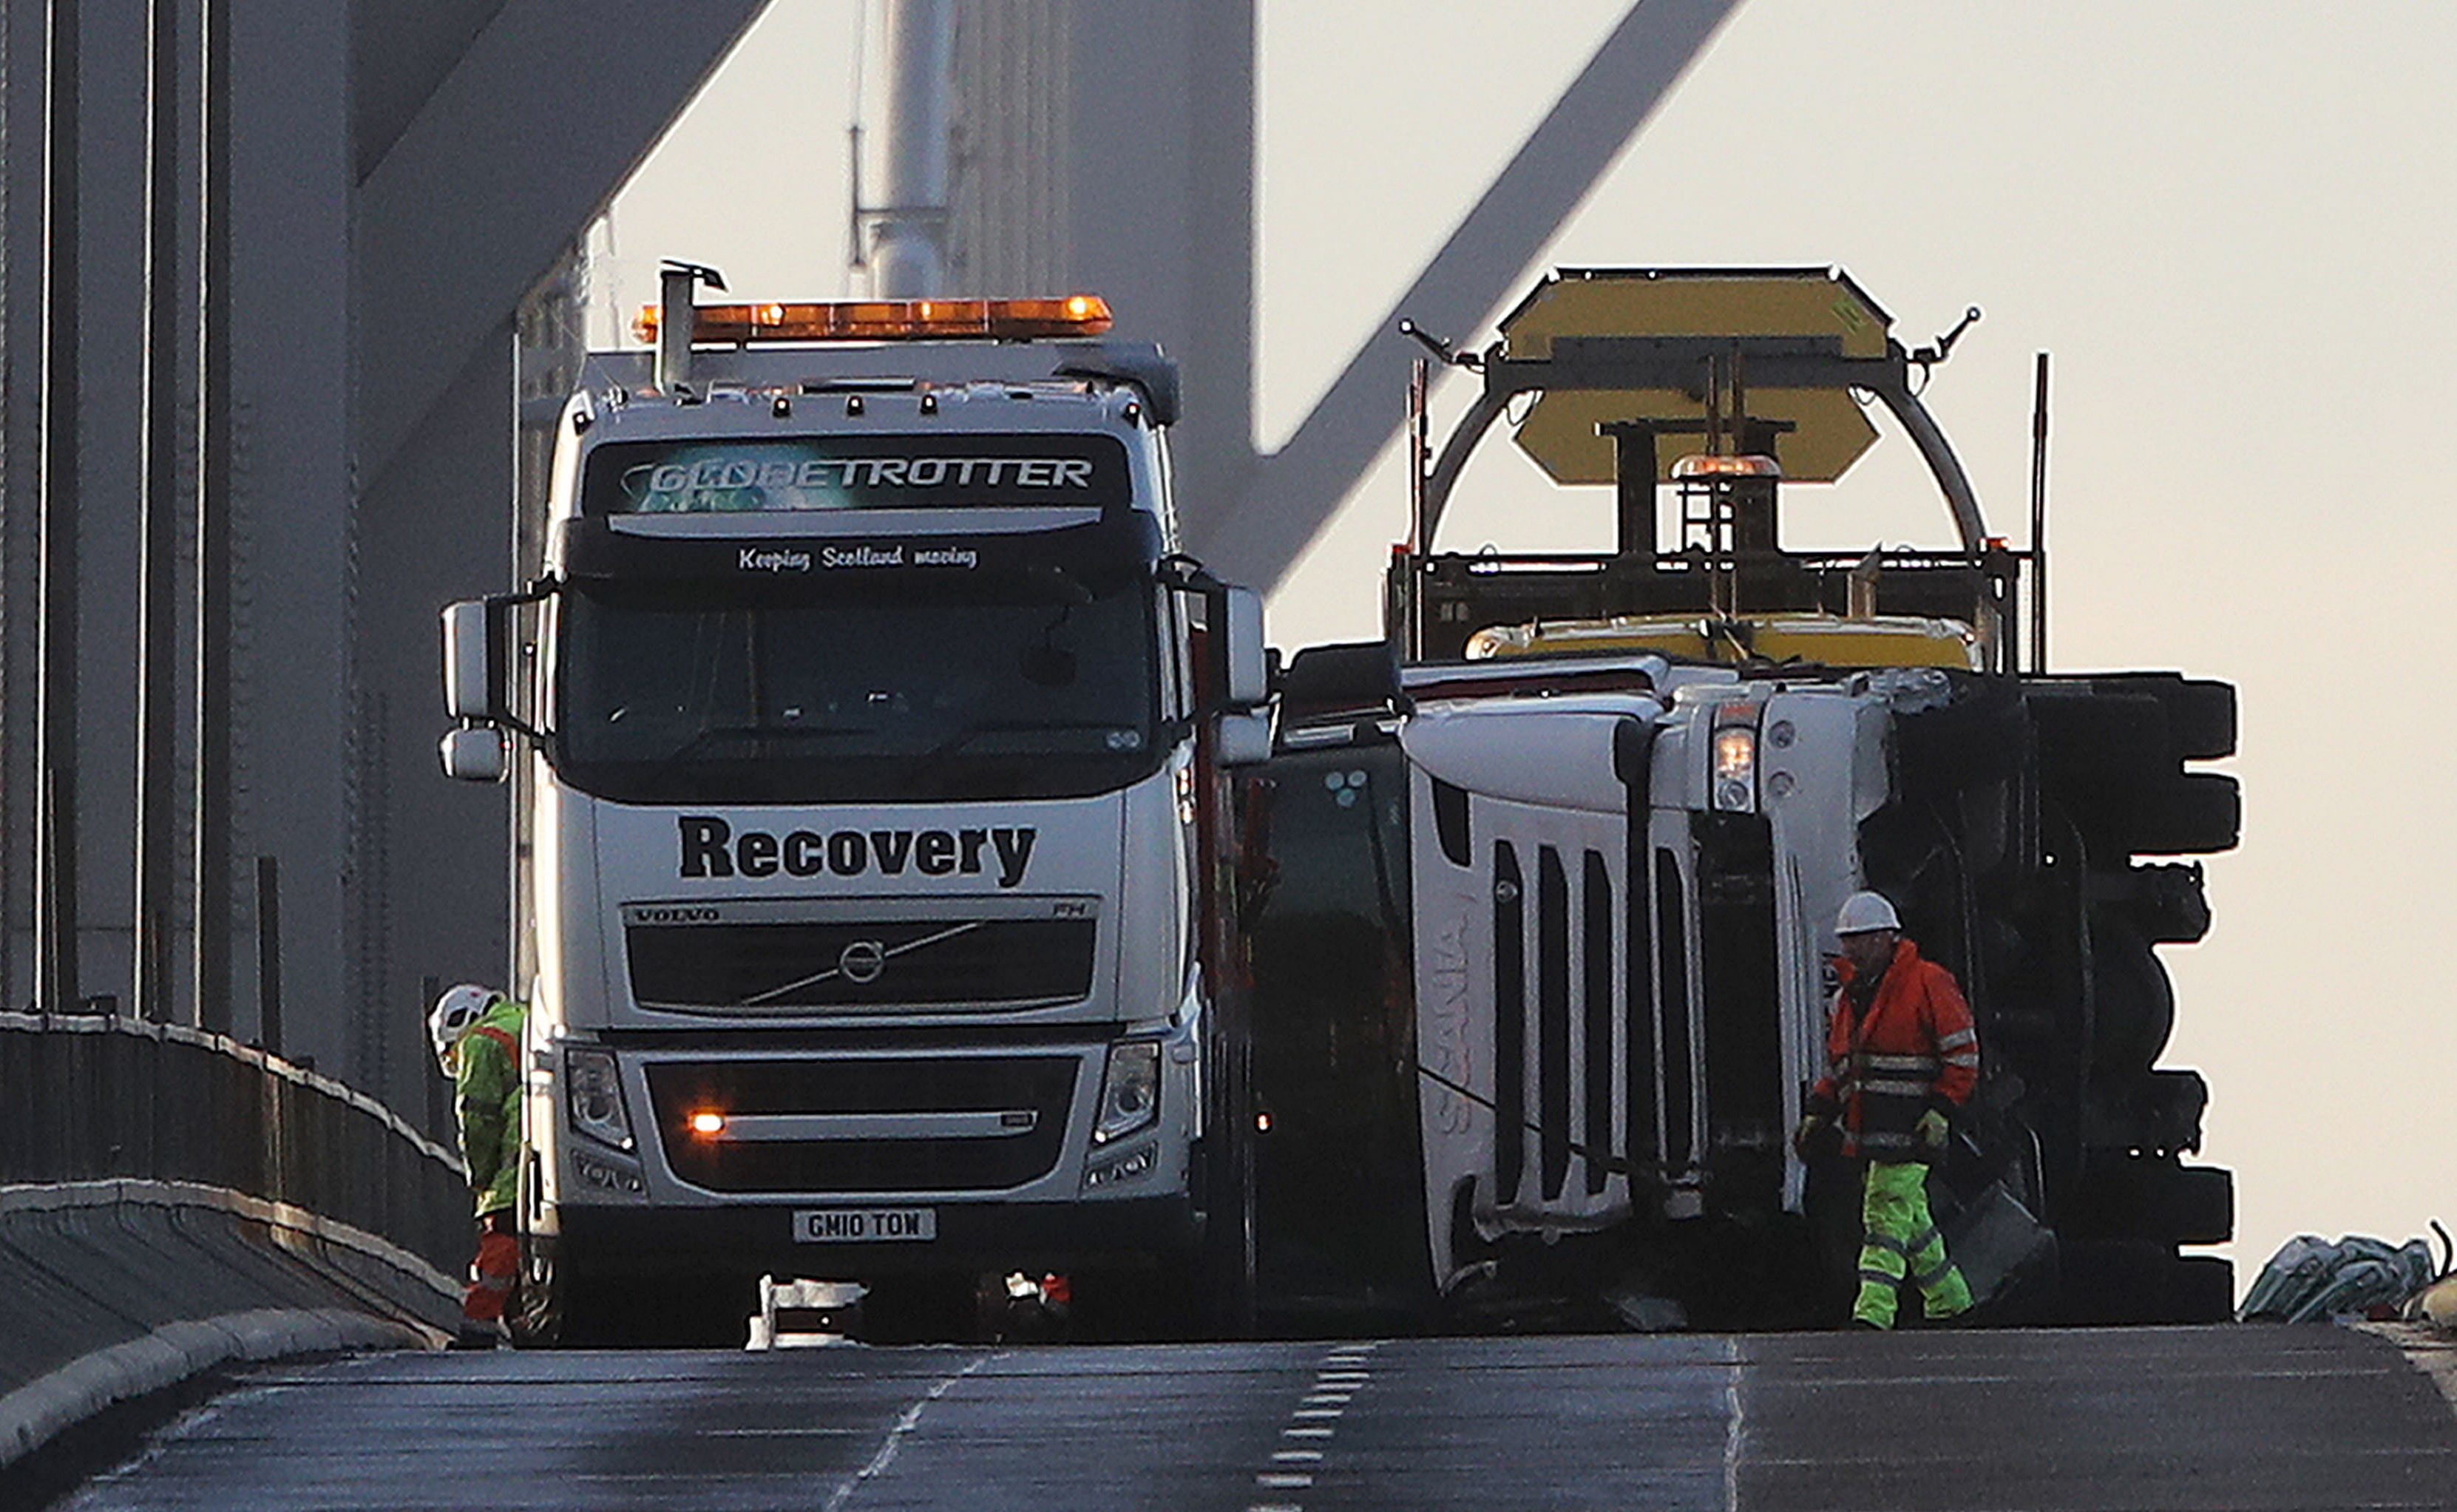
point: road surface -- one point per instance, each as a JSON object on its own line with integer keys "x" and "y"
{"x": 2172, "y": 1418}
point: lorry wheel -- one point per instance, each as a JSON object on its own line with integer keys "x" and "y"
{"x": 2202, "y": 1290}
{"x": 2114, "y": 1281}
{"x": 2191, "y": 814}
{"x": 558, "y": 1308}
{"x": 573, "y": 1310}
{"x": 2091, "y": 739}
{"x": 2130, "y": 1282}
{"x": 2200, "y": 710}
{"x": 2155, "y": 1200}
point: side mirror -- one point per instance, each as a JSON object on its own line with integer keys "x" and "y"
{"x": 1248, "y": 680}
{"x": 472, "y": 687}
{"x": 475, "y": 755}
{"x": 1244, "y": 738}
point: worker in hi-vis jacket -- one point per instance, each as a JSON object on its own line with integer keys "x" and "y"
{"x": 477, "y": 1036}
{"x": 1900, "y": 1056}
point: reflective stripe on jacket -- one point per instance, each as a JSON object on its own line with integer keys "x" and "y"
{"x": 487, "y": 1103}
{"x": 1915, "y": 1049}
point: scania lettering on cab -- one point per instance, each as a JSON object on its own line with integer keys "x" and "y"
{"x": 874, "y": 724}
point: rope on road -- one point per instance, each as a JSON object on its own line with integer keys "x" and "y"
{"x": 1613, "y": 1164}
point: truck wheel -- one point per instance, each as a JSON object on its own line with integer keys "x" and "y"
{"x": 2115, "y": 1282}
{"x": 2155, "y": 1200}
{"x": 2200, "y": 710}
{"x": 2203, "y": 1289}
{"x": 558, "y": 1308}
{"x": 2089, "y": 738}
{"x": 561, "y": 1308}
{"x": 2126, "y": 1282}
{"x": 2191, "y": 814}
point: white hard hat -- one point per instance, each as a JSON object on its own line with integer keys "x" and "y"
{"x": 458, "y": 1008}
{"x": 1865, "y": 913}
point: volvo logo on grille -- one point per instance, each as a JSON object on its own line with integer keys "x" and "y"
{"x": 862, "y": 960}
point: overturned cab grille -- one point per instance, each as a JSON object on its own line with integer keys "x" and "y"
{"x": 738, "y": 961}
{"x": 879, "y": 1123}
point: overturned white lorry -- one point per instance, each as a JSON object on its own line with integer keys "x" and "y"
{"x": 1613, "y": 801}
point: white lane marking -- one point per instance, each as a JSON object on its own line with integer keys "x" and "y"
{"x": 1734, "y": 1427}
{"x": 904, "y": 1425}
{"x": 1274, "y": 1506}
{"x": 1335, "y": 1383}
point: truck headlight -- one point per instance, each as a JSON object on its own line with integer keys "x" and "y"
{"x": 1129, "y": 1090}
{"x": 1735, "y": 769}
{"x": 592, "y": 1095}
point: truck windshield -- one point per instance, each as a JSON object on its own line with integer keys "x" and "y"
{"x": 1049, "y": 688}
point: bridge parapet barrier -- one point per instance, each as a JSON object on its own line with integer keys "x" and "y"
{"x": 87, "y": 1098}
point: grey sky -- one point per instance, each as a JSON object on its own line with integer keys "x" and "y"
{"x": 2229, "y": 223}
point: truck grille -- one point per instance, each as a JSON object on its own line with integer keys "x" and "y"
{"x": 786, "y": 965}
{"x": 1572, "y": 1031}
{"x": 1030, "y": 1095}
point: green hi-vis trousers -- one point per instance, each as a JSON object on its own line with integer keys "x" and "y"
{"x": 1900, "y": 1240}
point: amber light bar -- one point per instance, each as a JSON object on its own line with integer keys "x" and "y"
{"x": 891, "y": 320}
{"x": 1704, "y": 465}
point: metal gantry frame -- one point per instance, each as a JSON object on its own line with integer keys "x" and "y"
{"x": 1658, "y": 363}
{"x": 1677, "y": 363}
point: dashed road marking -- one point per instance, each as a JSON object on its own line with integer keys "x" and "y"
{"x": 1341, "y": 1375}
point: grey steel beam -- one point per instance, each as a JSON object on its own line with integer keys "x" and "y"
{"x": 216, "y": 436}
{"x": 157, "y": 633}
{"x": 55, "y": 760}
{"x": 1291, "y": 495}
{"x": 512, "y": 153}
{"x": 400, "y": 51}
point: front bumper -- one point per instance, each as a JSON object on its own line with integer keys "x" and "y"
{"x": 972, "y": 1236}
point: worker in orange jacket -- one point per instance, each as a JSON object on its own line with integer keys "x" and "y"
{"x": 1902, "y": 1055}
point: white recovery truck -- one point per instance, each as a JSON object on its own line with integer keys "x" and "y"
{"x": 1614, "y": 800}
{"x": 873, "y": 731}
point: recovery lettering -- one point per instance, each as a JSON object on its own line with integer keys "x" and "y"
{"x": 711, "y": 848}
